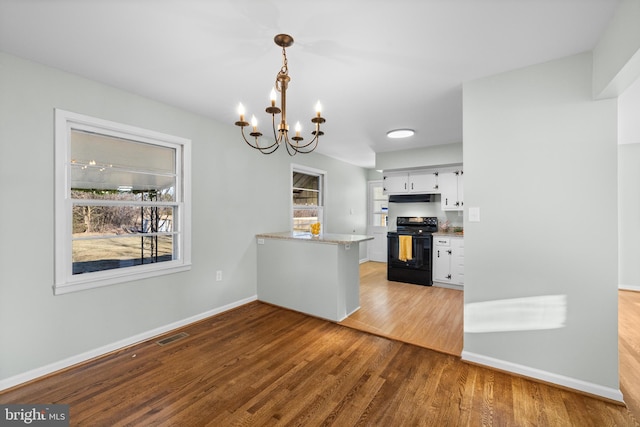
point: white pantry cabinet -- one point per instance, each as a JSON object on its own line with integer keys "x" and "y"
{"x": 448, "y": 260}
{"x": 451, "y": 186}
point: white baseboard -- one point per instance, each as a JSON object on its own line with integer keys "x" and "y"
{"x": 629, "y": 287}
{"x": 91, "y": 354}
{"x": 548, "y": 377}
{"x": 362, "y": 261}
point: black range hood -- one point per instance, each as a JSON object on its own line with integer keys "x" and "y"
{"x": 410, "y": 198}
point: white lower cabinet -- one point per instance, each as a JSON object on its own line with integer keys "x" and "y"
{"x": 448, "y": 260}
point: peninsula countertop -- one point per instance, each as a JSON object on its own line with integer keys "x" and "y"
{"x": 331, "y": 238}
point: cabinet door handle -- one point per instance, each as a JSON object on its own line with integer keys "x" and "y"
{"x": 438, "y": 253}
{"x": 405, "y": 185}
{"x": 412, "y": 185}
{"x": 449, "y": 251}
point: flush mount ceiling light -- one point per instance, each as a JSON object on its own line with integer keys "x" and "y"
{"x": 400, "y": 133}
{"x": 281, "y": 132}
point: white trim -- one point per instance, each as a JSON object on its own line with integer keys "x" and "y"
{"x": 549, "y": 377}
{"x": 64, "y": 280}
{"x": 629, "y": 287}
{"x": 323, "y": 189}
{"x": 101, "y": 351}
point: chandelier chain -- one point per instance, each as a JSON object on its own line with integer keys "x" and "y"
{"x": 284, "y": 70}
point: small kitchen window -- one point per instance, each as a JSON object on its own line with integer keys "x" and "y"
{"x": 122, "y": 203}
{"x": 307, "y": 197}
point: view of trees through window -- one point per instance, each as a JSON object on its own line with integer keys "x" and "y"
{"x": 113, "y": 236}
{"x": 123, "y": 202}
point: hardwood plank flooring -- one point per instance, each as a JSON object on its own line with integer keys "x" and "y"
{"x": 393, "y": 310}
{"x": 629, "y": 348}
{"x": 263, "y": 365}
{"x": 427, "y": 316}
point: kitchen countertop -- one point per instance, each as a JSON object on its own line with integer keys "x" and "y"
{"x": 336, "y": 239}
{"x": 449, "y": 234}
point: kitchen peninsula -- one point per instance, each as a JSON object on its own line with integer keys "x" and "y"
{"x": 316, "y": 275}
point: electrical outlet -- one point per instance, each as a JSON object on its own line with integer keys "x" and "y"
{"x": 218, "y": 275}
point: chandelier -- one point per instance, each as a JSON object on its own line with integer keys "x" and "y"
{"x": 295, "y": 143}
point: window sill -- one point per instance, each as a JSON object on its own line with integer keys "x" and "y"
{"x": 117, "y": 276}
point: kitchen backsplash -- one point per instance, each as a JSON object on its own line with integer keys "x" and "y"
{"x": 432, "y": 208}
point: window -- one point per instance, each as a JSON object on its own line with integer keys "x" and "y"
{"x": 122, "y": 203}
{"x": 307, "y": 189}
{"x": 378, "y": 205}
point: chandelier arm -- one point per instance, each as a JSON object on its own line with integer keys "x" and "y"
{"x": 302, "y": 148}
{"x": 290, "y": 148}
{"x": 298, "y": 147}
{"x": 257, "y": 144}
{"x": 276, "y": 137}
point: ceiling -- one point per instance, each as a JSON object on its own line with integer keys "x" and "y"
{"x": 374, "y": 65}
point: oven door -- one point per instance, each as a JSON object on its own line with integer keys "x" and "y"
{"x": 420, "y": 251}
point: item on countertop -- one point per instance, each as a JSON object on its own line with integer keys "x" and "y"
{"x": 315, "y": 229}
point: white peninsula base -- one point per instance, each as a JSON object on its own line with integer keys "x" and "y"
{"x": 319, "y": 276}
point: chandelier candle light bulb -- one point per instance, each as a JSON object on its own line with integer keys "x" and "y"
{"x": 241, "y": 112}
{"x": 281, "y": 131}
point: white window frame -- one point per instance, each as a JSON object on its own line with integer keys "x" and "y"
{"x": 322, "y": 191}
{"x": 65, "y": 281}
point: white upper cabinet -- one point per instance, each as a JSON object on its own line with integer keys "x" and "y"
{"x": 422, "y": 182}
{"x": 446, "y": 181}
{"x": 451, "y": 184}
{"x": 396, "y": 183}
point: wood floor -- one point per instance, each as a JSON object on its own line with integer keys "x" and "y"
{"x": 629, "y": 348}
{"x": 263, "y": 365}
{"x": 393, "y": 310}
{"x": 427, "y": 316}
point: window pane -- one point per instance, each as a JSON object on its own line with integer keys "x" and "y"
{"x": 304, "y": 198}
{"x": 380, "y": 205}
{"x": 117, "y": 252}
{"x": 304, "y": 181}
{"x": 111, "y": 179}
{"x": 303, "y": 218}
{"x": 101, "y": 162}
{"x": 380, "y": 220}
{"x": 103, "y": 150}
{"x": 378, "y": 192}
{"x": 110, "y": 220}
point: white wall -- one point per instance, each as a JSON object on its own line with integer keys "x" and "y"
{"x": 628, "y": 113}
{"x": 629, "y": 215}
{"x": 237, "y": 192}
{"x": 540, "y": 161}
{"x": 437, "y": 155}
{"x": 616, "y": 57}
